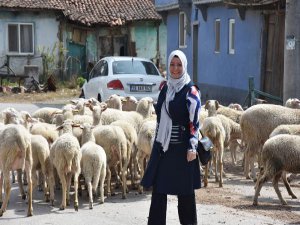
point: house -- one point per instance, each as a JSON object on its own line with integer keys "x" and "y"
{"x": 226, "y": 42}
{"x": 77, "y": 32}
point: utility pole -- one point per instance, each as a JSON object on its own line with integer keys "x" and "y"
{"x": 291, "y": 77}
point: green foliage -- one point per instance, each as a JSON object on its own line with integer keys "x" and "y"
{"x": 80, "y": 81}
{"x": 7, "y": 82}
{"x": 49, "y": 56}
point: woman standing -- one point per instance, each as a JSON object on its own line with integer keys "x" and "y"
{"x": 172, "y": 168}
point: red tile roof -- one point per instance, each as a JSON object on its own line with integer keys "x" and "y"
{"x": 89, "y": 12}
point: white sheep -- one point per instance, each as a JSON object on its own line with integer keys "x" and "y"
{"x": 129, "y": 103}
{"x": 257, "y": 123}
{"x": 114, "y": 101}
{"x": 293, "y": 103}
{"x": 235, "y": 106}
{"x": 12, "y": 116}
{"x": 45, "y": 113}
{"x": 80, "y": 106}
{"x": 15, "y": 154}
{"x": 65, "y": 155}
{"x": 145, "y": 107}
{"x": 47, "y": 130}
{"x": 279, "y": 154}
{"x": 212, "y": 106}
{"x": 286, "y": 129}
{"x": 131, "y": 137}
{"x": 114, "y": 143}
{"x": 145, "y": 141}
{"x": 235, "y": 115}
{"x": 93, "y": 163}
{"x": 97, "y": 112}
{"x": 41, "y": 161}
{"x": 111, "y": 115}
{"x": 220, "y": 130}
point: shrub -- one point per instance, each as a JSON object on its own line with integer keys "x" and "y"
{"x": 80, "y": 81}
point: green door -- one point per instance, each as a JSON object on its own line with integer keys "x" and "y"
{"x": 76, "y": 60}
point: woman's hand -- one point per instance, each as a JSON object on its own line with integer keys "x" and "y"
{"x": 191, "y": 155}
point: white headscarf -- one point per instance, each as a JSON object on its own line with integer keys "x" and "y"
{"x": 174, "y": 86}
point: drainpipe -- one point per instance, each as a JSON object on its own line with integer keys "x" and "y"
{"x": 291, "y": 77}
{"x": 157, "y": 46}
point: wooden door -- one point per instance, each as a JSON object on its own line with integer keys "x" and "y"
{"x": 273, "y": 59}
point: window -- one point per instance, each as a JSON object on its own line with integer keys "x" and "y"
{"x": 134, "y": 67}
{"x": 217, "y": 35}
{"x": 182, "y": 30}
{"x": 20, "y": 38}
{"x": 231, "y": 35}
{"x": 101, "y": 69}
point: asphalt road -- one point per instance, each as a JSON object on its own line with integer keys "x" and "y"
{"x": 27, "y": 107}
{"x": 117, "y": 211}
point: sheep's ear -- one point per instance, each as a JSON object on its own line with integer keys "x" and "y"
{"x": 76, "y": 125}
{"x": 124, "y": 99}
{"x": 81, "y": 126}
{"x": 57, "y": 112}
{"x": 60, "y": 127}
{"x": 103, "y": 106}
{"x": 91, "y": 107}
{"x": 73, "y": 101}
{"x": 36, "y": 120}
{"x": 217, "y": 104}
{"x": 206, "y": 104}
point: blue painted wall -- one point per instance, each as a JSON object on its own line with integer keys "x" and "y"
{"x": 221, "y": 76}
{"x": 226, "y": 71}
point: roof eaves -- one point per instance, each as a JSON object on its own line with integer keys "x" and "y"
{"x": 249, "y": 2}
{"x": 160, "y": 8}
{"x": 200, "y": 2}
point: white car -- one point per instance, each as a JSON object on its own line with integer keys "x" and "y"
{"x": 125, "y": 76}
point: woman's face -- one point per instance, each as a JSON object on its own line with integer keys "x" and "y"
{"x": 176, "y": 68}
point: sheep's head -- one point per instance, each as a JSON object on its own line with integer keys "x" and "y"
{"x": 12, "y": 116}
{"x": 236, "y": 106}
{"x": 129, "y": 103}
{"x": 293, "y": 103}
{"x": 212, "y": 106}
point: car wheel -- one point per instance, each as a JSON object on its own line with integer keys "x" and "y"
{"x": 99, "y": 97}
{"x": 81, "y": 94}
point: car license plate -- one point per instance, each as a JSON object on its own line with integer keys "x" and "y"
{"x": 140, "y": 88}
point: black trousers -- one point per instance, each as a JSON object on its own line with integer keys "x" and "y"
{"x": 186, "y": 209}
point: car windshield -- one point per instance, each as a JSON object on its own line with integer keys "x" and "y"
{"x": 134, "y": 67}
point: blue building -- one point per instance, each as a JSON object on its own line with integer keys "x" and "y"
{"x": 226, "y": 42}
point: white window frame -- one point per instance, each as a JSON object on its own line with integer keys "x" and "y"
{"x": 182, "y": 28}
{"x": 19, "y": 39}
{"x": 231, "y": 39}
{"x": 217, "y": 36}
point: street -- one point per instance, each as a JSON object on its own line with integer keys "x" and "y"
{"x": 117, "y": 211}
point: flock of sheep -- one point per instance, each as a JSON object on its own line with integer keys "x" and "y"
{"x": 269, "y": 135}
{"x": 55, "y": 147}
{"x": 108, "y": 142}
